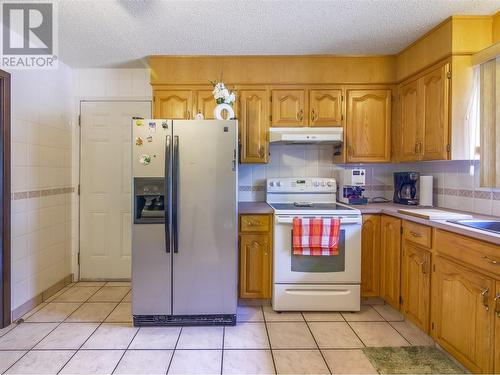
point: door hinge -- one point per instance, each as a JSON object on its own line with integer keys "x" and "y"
{"x": 78, "y": 189}
{"x": 448, "y": 75}
{"x": 78, "y": 258}
{"x": 432, "y": 325}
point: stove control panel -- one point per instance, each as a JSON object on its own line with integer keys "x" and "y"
{"x": 301, "y": 185}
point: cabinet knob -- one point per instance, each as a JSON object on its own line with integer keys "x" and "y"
{"x": 261, "y": 152}
{"x": 490, "y": 260}
{"x": 300, "y": 115}
{"x": 313, "y": 116}
{"x": 497, "y": 304}
{"x": 415, "y": 234}
{"x": 484, "y": 294}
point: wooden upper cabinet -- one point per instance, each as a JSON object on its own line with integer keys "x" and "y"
{"x": 390, "y": 259}
{"x": 435, "y": 111}
{"x": 370, "y": 256}
{"x": 253, "y": 121}
{"x": 205, "y": 104}
{"x": 174, "y": 104}
{"x": 463, "y": 314}
{"x": 416, "y": 285}
{"x": 288, "y": 107}
{"x": 325, "y": 107}
{"x": 410, "y": 129}
{"x": 368, "y": 125}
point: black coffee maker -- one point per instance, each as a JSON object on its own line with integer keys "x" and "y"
{"x": 405, "y": 188}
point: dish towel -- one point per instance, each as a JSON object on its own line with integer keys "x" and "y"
{"x": 316, "y": 236}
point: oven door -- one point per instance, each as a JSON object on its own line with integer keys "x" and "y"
{"x": 304, "y": 269}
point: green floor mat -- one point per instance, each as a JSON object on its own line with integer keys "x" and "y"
{"x": 411, "y": 360}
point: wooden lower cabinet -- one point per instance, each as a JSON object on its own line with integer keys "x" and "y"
{"x": 463, "y": 314}
{"x": 416, "y": 285}
{"x": 255, "y": 258}
{"x": 370, "y": 256}
{"x": 497, "y": 328}
{"x": 390, "y": 259}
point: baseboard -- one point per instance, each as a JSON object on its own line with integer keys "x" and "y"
{"x": 38, "y": 299}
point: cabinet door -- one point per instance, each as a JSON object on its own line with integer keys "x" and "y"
{"x": 497, "y": 329}
{"x": 416, "y": 284}
{"x": 253, "y": 115}
{"x": 390, "y": 260}
{"x": 370, "y": 256}
{"x": 434, "y": 107}
{"x": 288, "y": 108}
{"x": 175, "y": 104}
{"x": 368, "y": 125}
{"x": 463, "y": 314}
{"x": 255, "y": 266}
{"x": 205, "y": 104}
{"x": 325, "y": 107}
{"x": 410, "y": 127}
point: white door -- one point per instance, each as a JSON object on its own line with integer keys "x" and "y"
{"x": 105, "y": 187}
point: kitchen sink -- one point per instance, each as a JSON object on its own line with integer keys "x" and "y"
{"x": 489, "y": 225}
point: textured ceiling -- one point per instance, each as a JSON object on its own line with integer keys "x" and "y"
{"x": 105, "y": 33}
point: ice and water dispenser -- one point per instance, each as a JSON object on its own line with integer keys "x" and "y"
{"x": 149, "y": 200}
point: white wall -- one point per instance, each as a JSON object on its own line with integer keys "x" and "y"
{"x": 42, "y": 129}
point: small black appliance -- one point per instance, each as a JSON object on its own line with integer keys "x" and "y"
{"x": 405, "y": 188}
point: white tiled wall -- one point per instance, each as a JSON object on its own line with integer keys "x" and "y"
{"x": 42, "y": 130}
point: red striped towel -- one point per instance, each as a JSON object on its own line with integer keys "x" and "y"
{"x": 316, "y": 236}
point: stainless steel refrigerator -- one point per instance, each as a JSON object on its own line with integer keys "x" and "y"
{"x": 184, "y": 234}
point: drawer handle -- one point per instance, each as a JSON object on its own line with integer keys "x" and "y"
{"x": 488, "y": 259}
{"x": 484, "y": 294}
{"x": 253, "y": 223}
{"x": 415, "y": 234}
{"x": 497, "y": 304}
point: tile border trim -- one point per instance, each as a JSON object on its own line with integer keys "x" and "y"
{"x": 41, "y": 193}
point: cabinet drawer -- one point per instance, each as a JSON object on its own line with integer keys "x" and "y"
{"x": 417, "y": 233}
{"x": 476, "y": 253}
{"x": 254, "y": 223}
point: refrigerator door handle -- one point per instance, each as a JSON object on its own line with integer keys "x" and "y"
{"x": 166, "y": 201}
{"x": 175, "y": 182}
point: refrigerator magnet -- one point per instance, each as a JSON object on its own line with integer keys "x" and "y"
{"x": 139, "y": 141}
{"x": 164, "y": 125}
{"x": 150, "y": 139}
{"x": 145, "y": 159}
{"x": 152, "y": 127}
{"x": 139, "y": 123}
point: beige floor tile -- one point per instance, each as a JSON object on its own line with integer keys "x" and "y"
{"x": 128, "y": 297}
{"x": 25, "y": 336}
{"x": 334, "y": 335}
{"x": 7, "y": 329}
{"x": 378, "y": 334}
{"x": 58, "y": 293}
{"x": 372, "y": 301}
{"x": 200, "y": 338}
{"x": 290, "y": 335}
{"x": 41, "y": 362}
{"x": 77, "y": 294}
{"x": 196, "y": 362}
{"x": 273, "y": 316}
{"x": 348, "y": 362}
{"x": 111, "y": 336}
{"x": 412, "y": 333}
{"x": 249, "y": 314}
{"x": 156, "y": 338}
{"x": 92, "y": 312}
{"x": 248, "y": 362}
{"x": 110, "y": 294}
{"x": 93, "y": 362}
{"x": 34, "y": 310}
{"x": 246, "y": 336}
{"x": 323, "y": 317}
{"x": 299, "y": 362}
{"x": 90, "y": 283}
{"x": 122, "y": 313}
{"x": 389, "y": 313}
{"x": 68, "y": 336}
{"x": 119, "y": 283}
{"x": 151, "y": 362}
{"x": 54, "y": 312}
{"x": 8, "y": 358}
{"x": 366, "y": 314}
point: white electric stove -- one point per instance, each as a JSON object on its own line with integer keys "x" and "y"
{"x": 313, "y": 283}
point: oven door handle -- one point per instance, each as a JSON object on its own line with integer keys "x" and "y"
{"x": 343, "y": 220}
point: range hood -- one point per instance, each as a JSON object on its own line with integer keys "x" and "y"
{"x": 306, "y": 135}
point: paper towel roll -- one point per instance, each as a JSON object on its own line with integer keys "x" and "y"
{"x": 425, "y": 191}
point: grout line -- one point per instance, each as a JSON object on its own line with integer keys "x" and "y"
{"x": 173, "y": 351}
{"x": 269, "y": 339}
{"x": 222, "y": 354}
{"x": 317, "y": 346}
{"x": 125, "y": 351}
